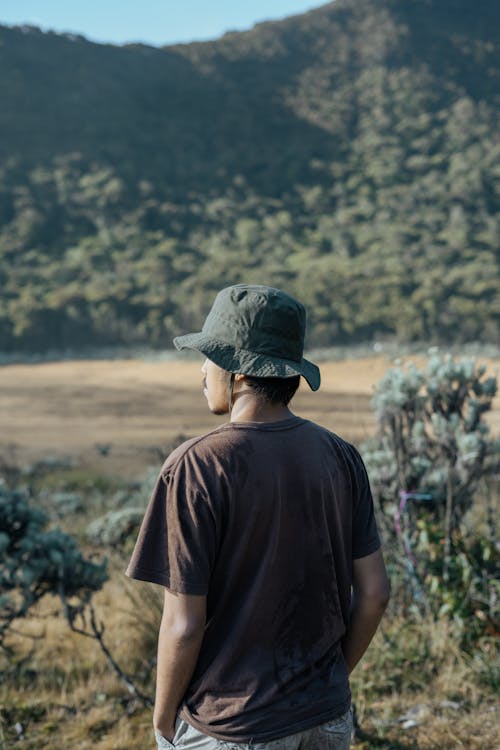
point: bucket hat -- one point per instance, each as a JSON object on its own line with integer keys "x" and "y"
{"x": 255, "y": 330}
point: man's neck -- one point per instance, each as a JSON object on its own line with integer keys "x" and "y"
{"x": 249, "y": 408}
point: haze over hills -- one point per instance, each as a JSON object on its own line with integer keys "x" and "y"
{"x": 350, "y": 155}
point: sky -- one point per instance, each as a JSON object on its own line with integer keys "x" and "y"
{"x": 155, "y": 22}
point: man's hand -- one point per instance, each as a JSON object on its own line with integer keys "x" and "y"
{"x": 179, "y": 641}
{"x": 370, "y": 597}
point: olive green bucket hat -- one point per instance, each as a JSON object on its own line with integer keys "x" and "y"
{"x": 255, "y": 330}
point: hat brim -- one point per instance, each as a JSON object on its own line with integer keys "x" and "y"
{"x": 249, "y": 363}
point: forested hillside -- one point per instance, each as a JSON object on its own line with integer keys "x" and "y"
{"x": 350, "y": 155}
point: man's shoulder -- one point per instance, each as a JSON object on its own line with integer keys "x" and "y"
{"x": 343, "y": 448}
{"x": 331, "y": 436}
{"x": 195, "y": 447}
{"x": 219, "y": 442}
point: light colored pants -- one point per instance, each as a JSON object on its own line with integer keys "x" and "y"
{"x": 332, "y": 735}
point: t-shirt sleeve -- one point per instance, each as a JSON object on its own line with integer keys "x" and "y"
{"x": 365, "y": 537}
{"x": 176, "y": 546}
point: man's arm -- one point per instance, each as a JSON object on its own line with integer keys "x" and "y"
{"x": 179, "y": 641}
{"x": 370, "y": 597}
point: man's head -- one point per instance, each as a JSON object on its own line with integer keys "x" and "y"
{"x": 219, "y": 384}
{"x": 257, "y": 333}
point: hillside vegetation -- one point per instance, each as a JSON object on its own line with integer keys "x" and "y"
{"x": 350, "y": 155}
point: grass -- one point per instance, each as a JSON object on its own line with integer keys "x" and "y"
{"x": 65, "y": 695}
{"x": 86, "y": 481}
{"x": 415, "y": 688}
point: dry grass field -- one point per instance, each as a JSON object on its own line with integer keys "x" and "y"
{"x": 137, "y": 408}
{"x": 414, "y": 689}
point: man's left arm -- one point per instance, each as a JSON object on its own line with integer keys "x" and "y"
{"x": 179, "y": 642}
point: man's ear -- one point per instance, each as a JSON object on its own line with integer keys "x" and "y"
{"x": 240, "y": 382}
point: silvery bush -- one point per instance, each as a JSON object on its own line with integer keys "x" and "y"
{"x": 432, "y": 463}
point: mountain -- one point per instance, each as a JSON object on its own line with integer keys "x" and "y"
{"x": 350, "y": 155}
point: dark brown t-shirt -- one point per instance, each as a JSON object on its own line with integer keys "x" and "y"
{"x": 265, "y": 519}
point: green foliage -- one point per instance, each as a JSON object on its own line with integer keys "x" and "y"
{"x": 116, "y": 527}
{"x": 471, "y": 593}
{"x": 349, "y": 155}
{"x": 35, "y": 561}
{"x": 427, "y": 467}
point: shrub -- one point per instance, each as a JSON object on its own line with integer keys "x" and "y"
{"x": 427, "y": 466}
{"x": 116, "y": 527}
{"x": 35, "y": 561}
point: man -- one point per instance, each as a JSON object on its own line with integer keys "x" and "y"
{"x": 262, "y": 533}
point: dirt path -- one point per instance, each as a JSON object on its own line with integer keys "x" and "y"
{"x": 132, "y": 411}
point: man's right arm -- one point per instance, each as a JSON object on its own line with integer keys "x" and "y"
{"x": 370, "y": 597}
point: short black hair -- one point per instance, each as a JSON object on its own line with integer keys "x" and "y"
{"x": 275, "y": 390}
